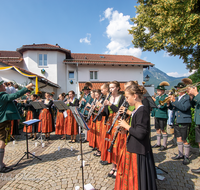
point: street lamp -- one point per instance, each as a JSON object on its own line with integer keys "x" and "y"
{"x": 147, "y": 78}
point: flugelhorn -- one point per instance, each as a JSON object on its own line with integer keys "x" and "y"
{"x": 189, "y": 86}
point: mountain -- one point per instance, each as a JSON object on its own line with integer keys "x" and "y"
{"x": 157, "y": 76}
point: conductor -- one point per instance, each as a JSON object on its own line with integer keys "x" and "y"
{"x": 8, "y": 112}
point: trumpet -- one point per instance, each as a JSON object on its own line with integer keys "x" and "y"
{"x": 166, "y": 100}
{"x": 189, "y": 86}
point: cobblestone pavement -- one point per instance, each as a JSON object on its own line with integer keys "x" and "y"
{"x": 60, "y": 169}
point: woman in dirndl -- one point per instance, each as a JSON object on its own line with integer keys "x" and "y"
{"x": 47, "y": 123}
{"x": 110, "y": 111}
{"x": 60, "y": 119}
{"x": 71, "y": 125}
{"x": 136, "y": 166}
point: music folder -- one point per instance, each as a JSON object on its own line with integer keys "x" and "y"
{"x": 60, "y": 105}
{"x": 79, "y": 119}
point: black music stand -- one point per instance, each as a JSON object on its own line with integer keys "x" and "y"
{"x": 81, "y": 122}
{"x": 39, "y": 106}
{"x": 28, "y": 123}
{"x": 60, "y": 105}
{"x": 151, "y": 101}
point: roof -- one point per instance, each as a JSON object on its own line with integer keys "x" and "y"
{"x": 97, "y": 85}
{"x": 11, "y": 56}
{"x": 106, "y": 59}
{"x": 40, "y": 78}
{"x": 43, "y": 47}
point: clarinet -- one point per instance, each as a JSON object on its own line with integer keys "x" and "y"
{"x": 92, "y": 109}
{"x": 115, "y": 119}
{"x": 118, "y": 129}
{"x": 101, "y": 109}
{"x": 86, "y": 107}
{"x": 81, "y": 100}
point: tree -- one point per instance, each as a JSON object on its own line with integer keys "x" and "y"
{"x": 170, "y": 25}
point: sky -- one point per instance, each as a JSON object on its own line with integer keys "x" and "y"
{"x": 82, "y": 26}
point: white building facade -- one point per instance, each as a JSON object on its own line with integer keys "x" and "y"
{"x": 68, "y": 70}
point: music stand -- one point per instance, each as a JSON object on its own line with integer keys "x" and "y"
{"x": 151, "y": 101}
{"x": 28, "y": 123}
{"x": 60, "y": 105}
{"x": 81, "y": 122}
{"x": 39, "y": 106}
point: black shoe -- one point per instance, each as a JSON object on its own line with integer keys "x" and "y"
{"x": 105, "y": 163}
{"x": 48, "y": 138}
{"x": 162, "y": 148}
{"x": 156, "y": 146}
{"x": 186, "y": 160}
{"x": 84, "y": 141}
{"x": 177, "y": 157}
{"x": 110, "y": 174}
{"x": 196, "y": 171}
{"x": 114, "y": 176}
{"x": 45, "y": 138}
{"x": 6, "y": 169}
{"x": 30, "y": 137}
{"x": 94, "y": 149}
{"x": 101, "y": 161}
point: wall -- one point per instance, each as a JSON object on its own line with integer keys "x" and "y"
{"x": 110, "y": 73}
{"x": 31, "y": 59}
{"x": 150, "y": 89}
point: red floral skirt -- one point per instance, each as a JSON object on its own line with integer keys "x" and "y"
{"x": 89, "y": 124}
{"x": 28, "y": 117}
{"x": 59, "y": 124}
{"x": 46, "y": 121}
{"x": 127, "y": 171}
{"x": 71, "y": 127}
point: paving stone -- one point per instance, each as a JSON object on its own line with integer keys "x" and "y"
{"x": 61, "y": 169}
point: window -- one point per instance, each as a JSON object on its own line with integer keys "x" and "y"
{"x": 71, "y": 74}
{"x": 42, "y": 59}
{"x": 93, "y": 75}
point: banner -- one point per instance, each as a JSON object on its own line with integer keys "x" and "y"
{"x": 36, "y": 78}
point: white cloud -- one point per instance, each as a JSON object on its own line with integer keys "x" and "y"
{"x": 117, "y": 32}
{"x": 86, "y": 40}
{"x": 166, "y": 54}
{"x": 176, "y": 74}
{"x": 145, "y": 58}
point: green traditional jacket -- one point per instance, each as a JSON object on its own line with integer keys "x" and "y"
{"x": 161, "y": 111}
{"x": 196, "y": 103}
{"x": 8, "y": 110}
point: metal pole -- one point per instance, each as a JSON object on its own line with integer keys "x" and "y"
{"x": 81, "y": 156}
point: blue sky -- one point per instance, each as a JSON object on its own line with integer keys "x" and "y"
{"x": 82, "y": 26}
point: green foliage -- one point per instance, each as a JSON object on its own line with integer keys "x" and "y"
{"x": 191, "y": 136}
{"x": 170, "y": 25}
{"x": 196, "y": 77}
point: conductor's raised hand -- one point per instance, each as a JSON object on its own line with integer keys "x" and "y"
{"x": 30, "y": 85}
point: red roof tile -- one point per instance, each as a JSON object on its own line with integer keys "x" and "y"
{"x": 106, "y": 59}
{"x": 97, "y": 85}
{"x": 9, "y": 54}
{"x": 48, "y": 47}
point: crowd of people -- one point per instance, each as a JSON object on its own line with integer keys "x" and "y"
{"x": 119, "y": 124}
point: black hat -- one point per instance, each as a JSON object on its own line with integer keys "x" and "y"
{"x": 86, "y": 88}
{"x": 180, "y": 85}
{"x": 159, "y": 87}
